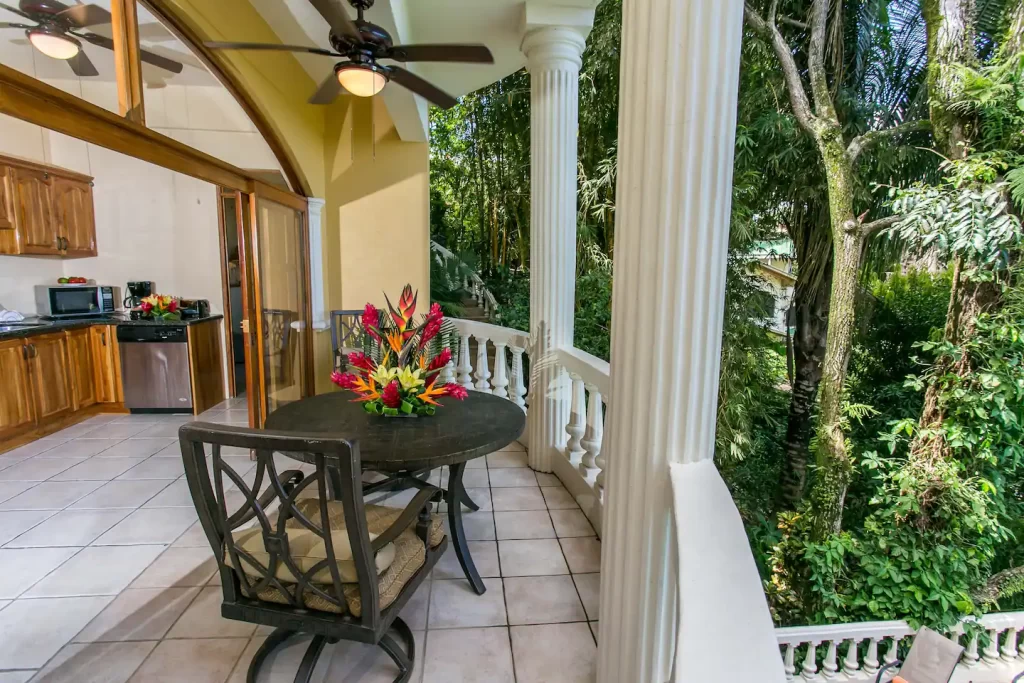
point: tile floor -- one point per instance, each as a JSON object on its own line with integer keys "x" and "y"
{"x": 105, "y": 574}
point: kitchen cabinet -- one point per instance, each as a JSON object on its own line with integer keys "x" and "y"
{"x": 46, "y": 210}
{"x": 83, "y": 368}
{"x": 51, "y": 380}
{"x": 16, "y": 413}
{"x": 107, "y": 363}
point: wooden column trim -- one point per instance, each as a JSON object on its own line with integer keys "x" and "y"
{"x": 127, "y": 62}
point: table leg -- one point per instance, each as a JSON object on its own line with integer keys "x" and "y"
{"x": 454, "y": 498}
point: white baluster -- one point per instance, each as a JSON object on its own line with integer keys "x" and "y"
{"x": 871, "y": 657}
{"x": 500, "y": 370}
{"x": 991, "y": 652}
{"x": 787, "y": 662}
{"x": 447, "y": 374}
{"x": 851, "y": 664}
{"x": 971, "y": 652}
{"x": 577, "y": 420}
{"x": 482, "y": 372}
{"x": 1009, "y": 649}
{"x": 599, "y": 457}
{"x": 830, "y": 666}
{"x": 518, "y": 388}
{"x": 465, "y": 367}
{"x": 890, "y": 654}
{"x": 595, "y": 432}
{"x": 810, "y": 665}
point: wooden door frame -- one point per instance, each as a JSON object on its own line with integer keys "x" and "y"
{"x": 225, "y": 282}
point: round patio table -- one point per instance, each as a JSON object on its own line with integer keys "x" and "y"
{"x": 406, "y": 447}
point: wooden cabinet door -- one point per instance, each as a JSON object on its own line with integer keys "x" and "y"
{"x": 83, "y": 368}
{"x": 107, "y": 363}
{"x": 16, "y": 414}
{"x": 6, "y": 198}
{"x": 51, "y": 382}
{"x": 33, "y": 212}
{"x": 74, "y": 219}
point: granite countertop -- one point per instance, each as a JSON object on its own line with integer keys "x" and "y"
{"x": 31, "y": 326}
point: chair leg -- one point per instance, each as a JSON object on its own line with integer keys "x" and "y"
{"x": 404, "y": 660}
{"x": 305, "y": 671}
{"x": 269, "y": 645}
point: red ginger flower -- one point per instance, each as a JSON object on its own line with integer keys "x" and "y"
{"x": 440, "y": 360}
{"x": 435, "y": 312}
{"x": 391, "y": 396}
{"x": 362, "y": 361}
{"x": 146, "y": 306}
{"x": 456, "y": 391}
{"x": 173, "y": 306}
{"x": 430, "y": 331}
{"x": 370, "y": 320}
{"x": 345, "y": 380}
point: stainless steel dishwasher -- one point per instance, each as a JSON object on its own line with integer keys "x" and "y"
{"x": 154, "y": 368}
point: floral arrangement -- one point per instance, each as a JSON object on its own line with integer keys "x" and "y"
{"x": 405, "y": 381}
{"x": 160, "y": 306}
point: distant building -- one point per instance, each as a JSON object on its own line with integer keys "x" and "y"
{"x": 776, "y": 268}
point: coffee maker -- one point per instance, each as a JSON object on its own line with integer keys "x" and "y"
{"x": 137, "y": 291}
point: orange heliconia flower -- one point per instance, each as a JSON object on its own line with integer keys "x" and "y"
{"x": 430, "y": 392}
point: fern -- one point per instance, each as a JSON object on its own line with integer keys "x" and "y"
{"x": 1015, "y": 184}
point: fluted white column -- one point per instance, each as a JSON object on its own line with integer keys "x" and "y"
{"x": 553, "y": 60}
{"x": 677, "y": 118}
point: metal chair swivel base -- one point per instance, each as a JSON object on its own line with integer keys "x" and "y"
{"x": 403, "y": 659}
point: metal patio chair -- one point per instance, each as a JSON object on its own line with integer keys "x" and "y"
{"x": 302, "y": 552}
{"x": 932, "y": 659}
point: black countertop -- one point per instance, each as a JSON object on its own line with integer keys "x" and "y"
{"x": 31, "y": 326}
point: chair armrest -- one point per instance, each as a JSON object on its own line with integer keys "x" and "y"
{"x": 888, "y": 666}
{"x": 409, "y": 515}
{"x": 289, "y": 478}
{"x": 1018, "y": 677}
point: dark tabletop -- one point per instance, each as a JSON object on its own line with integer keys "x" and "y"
{"x": 32, "y": 326}
{"x": 457, "y": 432}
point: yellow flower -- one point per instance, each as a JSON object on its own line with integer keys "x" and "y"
{"x": 409, "y": 379}
{"x": 383, "y": 375}
{"x": 151, "y": 299}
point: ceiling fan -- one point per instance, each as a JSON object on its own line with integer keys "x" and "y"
{"x": 362, "y": 44}
{"x": 58, "y": 28}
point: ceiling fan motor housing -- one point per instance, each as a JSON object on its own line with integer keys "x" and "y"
{"x": 41, "y": 7}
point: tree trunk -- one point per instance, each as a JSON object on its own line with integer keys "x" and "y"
{"x": 1015, "y": 34}
{"x": 951, "y": 34}
{"x": 834, "y": 466}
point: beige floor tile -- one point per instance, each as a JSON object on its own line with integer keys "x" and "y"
{"x": 203, "y": 620}
{"x": 138, "y": 614}
{"x": 514, "y": 446}
{"x": 97, "y": 571}
{"x": 155, "y": 468}
{"x": 485, "y": 557}
{"x": 480, "y": 496}
{"x": 95, "y": 663}
{"x": 453, "y": 604}
{"x": 519, "y": 498}
{"x": 14, "y": 523}
{"x": 158, "y": 431}
{"x": 159, "y": 525}
{"x": 122, "y": 494}
{"x": 545, "y": 479}
{"x": 98, "y": 469}
{"x": 16, "y": 676}
{"x": 475, "y": 478}
{"x": 82, "y": 448}
{"x": 283, "y": 663}
{"x": 137, "y": 448}
{"x": 69, "y": 528}
{"x": 542, "y": 600}
{"x": 29, "y": 449}
{"x": 512, "y": 476}
{"x": 589, "y": 587}
{"x": 558, "y": 498}
{"x": 22, "y": 567}
{"x": 503, "y": 459}
{"x": 554, "y": 653}
{"x": 195, "y": 661}
{"x": 541, "y": 557}
{"x": 10, "y": 489}
{"x": 50, "y": 495}
{"x": 362, "y": 663}
{"x": 179, "y": 567}
{"x": 571, "y": 523}
{"x": 522, "y": 525}
{"x": 582, "y": 554}
{"x": 594, "y": 629}
{"x": 479, "y": 526}
{"x": 175, "y": 495}
{"x": 38, "y": 469}
{"x": 32, "y": 631}
{"x": 476, "y": 655}
{"x": 122, "y": 430}
{"x": 194, "y": 537}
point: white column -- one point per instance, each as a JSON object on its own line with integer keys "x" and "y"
{"x": 317, "y": 284}
{"x": 553, "y": 59}
{"x": 678, "y": 98}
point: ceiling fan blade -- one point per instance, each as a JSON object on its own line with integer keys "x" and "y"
{"x": 7, "y": 24}
{"x": 82, "y": 65}
{"x": 328, "y": 91}
{"x": 144, "y": 55}
{"x": 14, "y": 10}
{"x": 218, "y": 45}
{"x": 86, "y": 15}
{"x": 469, "y": 54}
{"x": 421, "y": 87}
{"x": 336, "y": 15}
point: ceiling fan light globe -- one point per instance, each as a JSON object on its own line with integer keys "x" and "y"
{"x": 360, "y": 80}
{"x": 54, "y": 45}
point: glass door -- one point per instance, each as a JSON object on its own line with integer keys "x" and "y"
{"x": 280, "y": 300}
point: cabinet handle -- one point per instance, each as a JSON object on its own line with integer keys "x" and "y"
{"x": 24, "y": 351}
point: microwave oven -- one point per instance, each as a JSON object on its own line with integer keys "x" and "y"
{"x": 76, "y": 301}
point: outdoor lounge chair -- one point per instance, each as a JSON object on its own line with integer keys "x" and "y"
{"x": 932, "y": 659}
{"x": 323, "y": 562}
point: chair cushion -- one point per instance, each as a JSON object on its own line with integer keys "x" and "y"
{"x": 396, "y": 563}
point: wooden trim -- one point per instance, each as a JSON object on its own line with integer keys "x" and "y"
{"x": 127, "y": 62}
{"x": 186, "y": 31}
{"x": 206, "y": 365}
{"x": 28, "y": 99}
{"x": 7, "y": 160}
{"x": 252, "y": 378}
{"x": 279, "y": 196}
{"x": 225, "y": 281}
{"x": 256, "y": 312}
